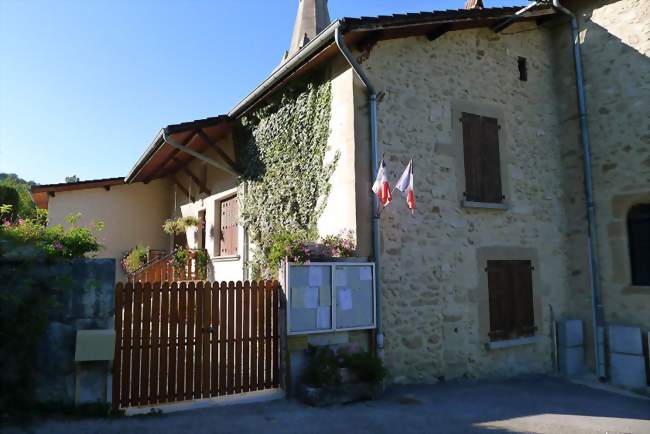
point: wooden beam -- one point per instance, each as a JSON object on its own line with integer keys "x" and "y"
{"x": 218, "y": 150}
{"x": 183, "y": 166}
{"x": 182, "y": 188}
{"x": 169, "y": 158}
{"x": 219, "y": 165}
{"x": 438, "y": 31}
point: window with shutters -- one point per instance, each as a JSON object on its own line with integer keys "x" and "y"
{"x": 228, "y": 238}
{"x": 510, "y": 286}
{"x": 482, "y": 159}
{"x": 638, "y": 226}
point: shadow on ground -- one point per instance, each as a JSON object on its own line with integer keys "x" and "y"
{"x": 537, "y": 405}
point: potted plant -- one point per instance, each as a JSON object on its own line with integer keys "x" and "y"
{"x": 179, "y": 225}
{"x": 341, "y": 376}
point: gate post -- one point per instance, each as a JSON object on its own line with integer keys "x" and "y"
{"x": 282, "y": 330}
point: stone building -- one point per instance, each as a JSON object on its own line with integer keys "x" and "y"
{"x": 484, "y": 102}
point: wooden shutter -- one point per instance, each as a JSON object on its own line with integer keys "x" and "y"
{"x": 501, "y": 299}
{"x": 472, "y": 156}
{"x": 510, "y": 287}
{"x": 524, "y": 318}
{"x": 229, "y": 238}
{"x": 482, "y": 159}
{"x": 638, "y": 224}
{"x": 491, "y": 161}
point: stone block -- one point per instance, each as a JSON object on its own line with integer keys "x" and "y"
{"x": 628, "y": 370}
{"x": 570, "y": 333}
{"x": 571, "y": 361}
{"x": 91, "y": 382}
{"x": 625, "y": 340}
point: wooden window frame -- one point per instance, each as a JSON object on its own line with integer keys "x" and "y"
{"x": 219, "y": 229}
{"x": 482, "y": 161}
{"x": 511, "y": 300}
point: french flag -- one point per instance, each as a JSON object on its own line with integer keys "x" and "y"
{"x": 405, "y": 185}
{"x": 381, "y": 187}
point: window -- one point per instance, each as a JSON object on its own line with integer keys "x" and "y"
{"x": 482, "y": 159}
{"x": 228, "y": 237}
{"x": 523, "y": 68}
{"x": 638, "y": 226}
{"x": 510, "y": 285}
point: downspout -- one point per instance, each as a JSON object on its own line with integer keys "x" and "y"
{"x": 594, "y": 270}
{"x": 374, "y": 155}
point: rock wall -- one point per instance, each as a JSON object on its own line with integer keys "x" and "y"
{"x": 84, "y": 300}
{"x": 435, "y": 305}
{"x": 615, "y": 41}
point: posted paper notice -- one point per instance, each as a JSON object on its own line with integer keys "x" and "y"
{"x": 365, "y": 273}
{"x": 324, "y": 318}
{"x": 315, "y": 276}
{"x": 345, "y": 299}
{"x": 341, "y": 277}
{"x": 311, "y": 296}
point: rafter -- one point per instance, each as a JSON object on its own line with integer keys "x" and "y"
{"x": 182, "y": 188}
{"x": 218, "y": 150}
{"x": 183, "y": 166}
{"x": 219, "y": 165}
{"x": 169, "y": 158}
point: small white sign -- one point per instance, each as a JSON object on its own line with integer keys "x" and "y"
{"x": 365, "y": 273}
{"x": 315, "y": 276}
{"x": 341, "y": 276}
{"x": 323, "y": 318}
{"x": 311, "y": 297}
{"x": 345, "y": 299}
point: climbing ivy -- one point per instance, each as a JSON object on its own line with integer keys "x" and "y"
{"x": 286, "y": 178}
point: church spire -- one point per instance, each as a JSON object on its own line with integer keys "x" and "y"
{"x": 312, "y": 18}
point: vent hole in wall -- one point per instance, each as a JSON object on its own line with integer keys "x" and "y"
{"x": 523, "y": 68}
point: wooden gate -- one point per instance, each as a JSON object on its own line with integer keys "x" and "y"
{"x": 184, "y": 341}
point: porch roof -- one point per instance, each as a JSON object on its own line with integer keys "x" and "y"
{"x": 175, "y": 146}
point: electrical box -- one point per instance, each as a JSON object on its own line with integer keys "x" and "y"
{"x": 328, "y": 297}
{"x": 95, "y": 345}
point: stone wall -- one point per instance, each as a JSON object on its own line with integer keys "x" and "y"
{"x": 84, "y": 300}
{"x": 434, "y": 297}
{"x": 615, "y": 42}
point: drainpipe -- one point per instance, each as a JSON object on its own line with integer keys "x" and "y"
{"x": 374, "y": 153}
{"x": 594, "y": 270}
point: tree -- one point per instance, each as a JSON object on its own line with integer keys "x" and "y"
{"x": 17, "y": 195}
{"x": 71, "y": 179}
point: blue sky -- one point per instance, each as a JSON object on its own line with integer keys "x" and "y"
{"x": 86, "y": 84}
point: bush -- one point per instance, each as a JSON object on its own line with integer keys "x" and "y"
{"x": 322, "y": 367}
{"x": 366, "y": 366}
{"x": 135, "y": 259}
{"x": 32, "y": 238}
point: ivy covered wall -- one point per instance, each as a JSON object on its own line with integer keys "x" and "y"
{"x": 286, "y": 180}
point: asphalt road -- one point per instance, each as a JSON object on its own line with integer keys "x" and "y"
{"x": 533, "y": 405}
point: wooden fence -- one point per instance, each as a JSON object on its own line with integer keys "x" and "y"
{"x": 162, "y": 268}
{"x": 184, "y": 341}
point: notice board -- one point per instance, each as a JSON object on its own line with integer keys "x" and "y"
{"x": 328, "y": 297}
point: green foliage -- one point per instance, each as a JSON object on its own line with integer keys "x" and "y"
{"x": 179, "y": 225}
{"x": 340, "y": 246}
{"x": 18, "y": 195}
{"x": 135, "y": 259}
{"x": 201, "y": 257}
{"x": 286, "y": 178}
{"x": 71, "y": 179}
{"x": 288, "y": 244}
{"x": 23, "y": 320}
{"x": 366, "y": 366}
{"x": 322, "y": 367}
{"x": 30, "y": 237}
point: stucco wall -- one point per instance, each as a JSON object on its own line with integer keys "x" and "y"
{"x": 434, "y": 292}
{"x": 133, "y": 214}
{"x": 339, "y": 214}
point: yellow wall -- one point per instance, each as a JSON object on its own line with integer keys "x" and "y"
{"x": 132, "y": 214}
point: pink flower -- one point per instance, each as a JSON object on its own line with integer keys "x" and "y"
{"x": 58, "y": 246}
{"x": 336, "y": 252}
{"x": 21, "y": 222}
{"x": 6, "y": 223}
